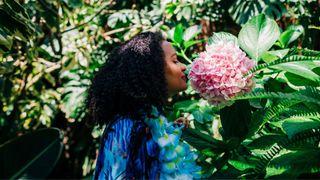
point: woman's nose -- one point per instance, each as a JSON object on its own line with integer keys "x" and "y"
{"x": 183, "y": 67}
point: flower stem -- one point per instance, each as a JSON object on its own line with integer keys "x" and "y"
{"x": 185, "y": 57}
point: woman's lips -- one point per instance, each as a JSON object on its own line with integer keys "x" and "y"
{"x": 184, "y": 78}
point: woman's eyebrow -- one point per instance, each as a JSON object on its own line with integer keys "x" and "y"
{"x": 173, "y": 54}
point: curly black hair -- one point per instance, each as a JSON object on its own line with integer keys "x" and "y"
{"x": 130, "y": 82}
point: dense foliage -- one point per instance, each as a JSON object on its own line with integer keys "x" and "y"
{"x": 49, "y": 51}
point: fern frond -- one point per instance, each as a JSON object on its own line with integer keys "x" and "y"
{"x": 311, "y": 92}
{"x": 293, "y": 58}
{"x": 312, "y": 135}
{"x": 280, "y": 107}
{"x": 308, "y": 115}
{"x": 309, "y": 95}
{"x": 271, "y": 113}
{"x": 292, "y": 164}
{"x": 309, "y": 52}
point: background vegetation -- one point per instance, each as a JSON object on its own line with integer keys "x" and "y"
{"x": 49, "y": 50}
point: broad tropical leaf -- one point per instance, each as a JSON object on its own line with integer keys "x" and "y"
{"x": 222, "y": 36}
{"x": 258, "y": 35}
{"x": 292, "y": 164}
{"x": 31, "y": 156}
{"x": 235, "y": 119}
{"x": 242, "y": 10}
{"x": 202, "y": 141}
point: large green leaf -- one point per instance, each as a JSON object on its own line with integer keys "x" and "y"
{"x": 292, "y": 33}
{"x": 178, "y": 34}
{"x": 271, "y": 56}
{"x": 31, "y": 156}
{"x": 292, "y": 164}
{"x": 266, "y": 141}
{"x": 310, "y": 94}
{"x": 188, "y": 44}
{"x": 275, "y": 10}
{"x": 187, "y": 105}
{"x": 202, "y": 141}
{"x": 288, "y": 59}
{"x": 294, "y": 125}
{"x": 298, "y": 80}
{"x": 198, "y": 116}
{"x": 241, "y": 165}
{"x": 303, "y": 69}
{"x": 242, "y": 10}
{"x": 235, "y": 119}
{"x": 258, "y": 35}
{"x": 191, "y": 32}
{"x": 222, "y": 36}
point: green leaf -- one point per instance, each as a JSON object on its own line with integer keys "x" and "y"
{"x": 187, "y": 44}
{"x": 31, "y": 156}
{"x": 222, "y": 36}
{"x": 74, "y": 93}
{"x": 198, "y": 116}
{"x": 258, "y": 35}
{"x": 186, "y": 106}
{"x": 235, "y": 119}
{"x": 292, "y": 164}
{"x": 186, "y": 12}
{"x": 14, "y": 24}
{"x": 294, "y": 125}
{"x": 191, "y": 32}
{"x": 205, "y": 128}
{"x": 240, "y": 165}
{"x": 5, "y": 39}
{"x": 75, "y": 3}
{"x": 293, "y": 58}
{"x": 271, "y": 56}
{"x": 202, "y": 141}
{"x": 275, "y": 10}
{"x": 208, "y": 114}
{"x": 265, "y": 141}
{"x": 242, "y": 10}
{"x": 178, "y": 34}
{"x": 292, "y": 33}
{"x": 298, "y": 80}
{"x": 310, "y": 94}
{"x": 303, "y": 69}
{"x": 113, "y": 19}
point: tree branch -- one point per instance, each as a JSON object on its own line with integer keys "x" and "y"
{"x": 94, "y": 16}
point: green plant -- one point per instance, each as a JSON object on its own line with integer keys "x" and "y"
{"x": 32, "y": 155}
{"x": 266, "y": 130}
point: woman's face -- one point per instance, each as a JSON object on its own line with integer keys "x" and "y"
{"x": 174, "y": 70}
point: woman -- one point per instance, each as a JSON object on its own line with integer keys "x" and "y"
{"x": 128, "y": 95}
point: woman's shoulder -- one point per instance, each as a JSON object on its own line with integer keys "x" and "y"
{"x": 120, "y": 123}
{"x": 124, "y": 124}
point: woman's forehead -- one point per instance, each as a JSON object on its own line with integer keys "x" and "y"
{"x": 167, "y": 48}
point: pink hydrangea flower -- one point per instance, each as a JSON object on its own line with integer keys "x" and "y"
{"x": 218, "y": 73}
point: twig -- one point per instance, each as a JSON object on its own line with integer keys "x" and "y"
{"x": 76, "y": 27}
{"x": 119, "y": 30}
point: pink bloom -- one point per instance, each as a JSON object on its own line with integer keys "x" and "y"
{"x": 218, "y": 73}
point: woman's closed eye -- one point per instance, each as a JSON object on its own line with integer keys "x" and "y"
{"x": 176, "y": 61}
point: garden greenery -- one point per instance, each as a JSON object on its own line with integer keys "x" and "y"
{"x": 49, "y": 51}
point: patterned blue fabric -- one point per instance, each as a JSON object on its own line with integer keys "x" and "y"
{"x": 145, "y": 149}
{"x": 120, "y": 157}
{"x": 176, "y": 160}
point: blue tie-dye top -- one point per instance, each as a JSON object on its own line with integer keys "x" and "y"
{"x": 119, "y": 158}
{"x": 145, "y": 149}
